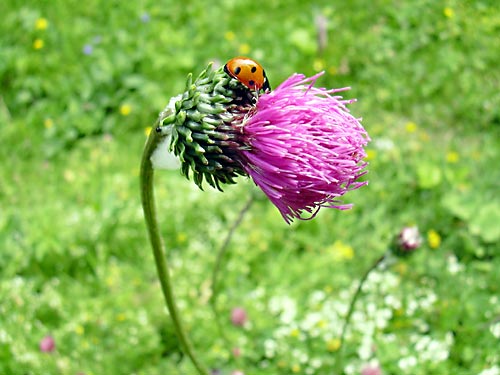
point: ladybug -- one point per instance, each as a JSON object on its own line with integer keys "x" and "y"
{"x": 249, "y": 72}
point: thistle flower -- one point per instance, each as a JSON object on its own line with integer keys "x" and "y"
{"x": 298, "y": 143}
{"x": 303, "y": 148}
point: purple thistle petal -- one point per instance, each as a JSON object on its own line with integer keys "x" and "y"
{"x": 303, "y": 148}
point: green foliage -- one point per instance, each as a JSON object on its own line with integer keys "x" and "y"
{"x": 76, "y": 95}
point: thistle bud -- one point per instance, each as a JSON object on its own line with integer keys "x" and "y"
{"x": 201, "y": 126}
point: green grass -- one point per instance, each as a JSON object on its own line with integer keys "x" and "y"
{"x": 75, "y": 262}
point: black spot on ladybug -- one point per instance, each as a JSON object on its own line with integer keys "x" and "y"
{"x": 237, "y": 70}
{"x": 251, "y": 83}
{"x": 254, "y": 69}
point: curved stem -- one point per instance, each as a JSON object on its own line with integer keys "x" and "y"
{"x": 148, "y": 205}
{"x": 218, "y": 264}
{"x": 351, "y": 308}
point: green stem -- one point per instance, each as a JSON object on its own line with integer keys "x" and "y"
{"x": 218, "y": 265}
{"x": 351, "y": 309}
{"x": 148, "y": 205}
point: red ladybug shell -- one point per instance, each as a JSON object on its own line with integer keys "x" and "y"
{"x": 249, "y": 72}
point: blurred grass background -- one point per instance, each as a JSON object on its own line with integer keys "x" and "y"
{"x": 80, "y": 83}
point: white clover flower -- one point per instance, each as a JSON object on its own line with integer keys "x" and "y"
{"x": 453, "y": 265}
{"x": 300, "y": 356}
{"x": 5, "y": 337}
{"x": 366, "y": 326}
{"x": 285, "y": 306}
{"x": 365, "y": 350}
{"x": 382, "y": 317}
{"x": 311, "y": 322}
{"x": 422, "y": 343}
{"x": 270, "y": 347}
{"x": 421, "y": 325}
{"x": 407, "y": 363}
{"x": 411, "y": 307}
{"x": 495, "y": 370}
{"x": 392, "y": 302}
{"x": 428, "y": 300}
{"x": 383, "y": 144}
{"x": 350, "y": 369}
{"x": 433, "y": 350}
{"x": 317, "y": 297}
{"x": 390, "y": 337}
{"x": 257, "y": 293}
{"x": 495, "y": 330}
{"x": 316, "y": 363}
{"x": 283, "y": 331}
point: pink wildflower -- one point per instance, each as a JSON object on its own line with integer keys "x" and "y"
{"x": 47, "y": 344}
{"x": 303, "y": 148}
{"x": 238, "y": 316}
{"x": 236, "y": 352}
{"x": 371, "y": 370}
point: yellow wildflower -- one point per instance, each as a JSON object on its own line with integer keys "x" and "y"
{"x": 229, "y": 35}
{"x": 424, "y": 136}
{"x": 79, "y": 329}
{"x": 41, "y": 24}
{"x": 125, "y": 109}
{"x": 319, "y": 64}
{"x": 434, "y": 239}
{"x": 244, "y": 49}
{"x": 452, "y": 157}
{"x": 399, "y": 312}
{"x": 401, "y": 268}
{"x": 69, "y": 175}
{"x": 333, "y": 345}
{"x": 370, "y": 155}
{"x": 147, "y": 131}
{"x": 48, "y": 123}
{"x": 411, "y": 127}
{"x": 332, "y": 70}
{"x": 110, "y": 281}
{"x": 295, "y": 368}
{"x": 38, "y": 43}
{"x": 448, "y": 12}
{"x": 476, "y": 155}
{"x": 120, "y": 317}
{"x": 181, "y": 237}
{"x": 295, "y": 332}
{"x": 342, "y": 251}
{"x": 322, "y": 323}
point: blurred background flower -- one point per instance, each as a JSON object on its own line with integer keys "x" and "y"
{"x": 47, "y": 344}
{"x": 409, "y": 239}
{"x": 239, "y": 316}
